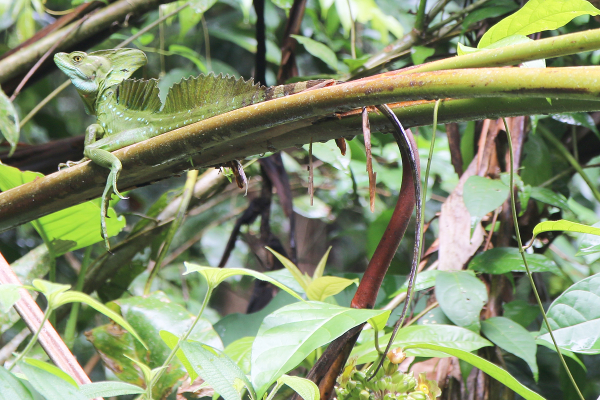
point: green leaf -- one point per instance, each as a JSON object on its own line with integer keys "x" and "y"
{"x": 575, "y": 317}
{"x": 483, "y": 195}
{"x": 11, "y": 388}
{"x": 69, "y": 229}
{"x": 302, "y": 278}
{"x": 501, "y": 260}
{"x": 522, "y": 312}
{"x": 214, "y": 276}
{"x": 512, "y": 337}
{"x": 578, "y": 119}
{"x": 424, "y": 281}
{"x": 549, "y": 197}
{"x": 537, "y": 16}
{"x": 9, "y": 122}
{"x": 51, "y": 381}
{"x": 321, "y": 265}
{"x": 240, "y": 352}
{"x": 73, "y": 296}
{"x": 419, "y": 54}
{"x": 564, "y": 225}
{"x": 218, "y": 370}
{"x": 497, "y": 9}
{"x": 171, "y": 341}
{"x": 447, "y": 335}
{"x": 564, "y": 352}
{"x": 326, "y": 286}
{"x": 190, "y": 54}
{"x": 146, "y": 371}
{"x": 318, "y": 50}
{"x": 589, "y": 244}
{"x": 491, "y": 369}
{"x": 461, "y": 296}
{"x": 9, "y": 295}
{"x": 109, "y": 389}
{"x": 290, "y": 334}
{"x": 304, "y": 387}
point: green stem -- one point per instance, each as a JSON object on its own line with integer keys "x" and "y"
{"x": 192, "y": 176}
{"x": 457, "y": 15}
{"x": 529, "y": 275}
{"x": 72, "y": 322}
{"x": 182, "y": 339}
{"x": 278, "y": 385}
{"x": 33, "y": 340}
{"x": 420, "y": 21}
{"x": 565, "y": 153}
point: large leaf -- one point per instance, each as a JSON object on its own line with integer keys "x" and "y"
{"x": 109, "y": 389}
{"x": 575, "y": 317}
{"x": 482, "y": 195}
{"x": 11, "y": 388}
{"x": 240, "y": 351}
{"x": 69, "y": 229}
{"x": 318, "y": 50}
{"x": 290, "y": 334}
{"x": 549, "y": 197}
{"x": 424, "y": 280}
{"x": 448, "y": 336}
{"x": 537, "y": 16}
{"x": 461, "y": 296}
{"x": 218, "y": 370}
{"x": 501, "y": 260}
{"x": 513, "y": 338}
{"x": 52, "y": 386}
{"x": 491, "y": 369}
{"x": 564, "y": 225}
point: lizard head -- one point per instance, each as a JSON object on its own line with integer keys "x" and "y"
{"x": 92, "y": 73}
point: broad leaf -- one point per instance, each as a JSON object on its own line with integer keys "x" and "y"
{"x": 445, "y": 335}
{"x": 483, "y": 195}
{"x": 240, "y": 351}
{"x": 501, "y": 260}
{"x": 563, "y": 225}
{"x": 461, "y": 296}
{"x": 326, "y": 286}
{"x": 171, "y": 341}
{"x": 424, "y": 281}
{"x": 537, "y": 16}
{"x": 51, "y": 384}
{"x": 549, "y": 197}
{"x": 522, "y": 312}
{"x": 214, "y": 276}
{"x": 304, "y": 387}
{"x": 218, "y": 370}
{"x": 109, "y": 389}
{"x": 491, "y": 369}
{"x": 11, "y": 388}
{"x": 321, "y": 265}
{"x": 512, "y": 337}
{"x": 290, "y": 334}
{"x": 575, "y": 317}
{"x": 318, "y": 50}
{"x": 69, "y": 229}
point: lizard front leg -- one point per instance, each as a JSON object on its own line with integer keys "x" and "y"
{"x": 106, "y": 160}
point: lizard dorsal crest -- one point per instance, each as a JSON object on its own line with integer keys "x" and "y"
{"x": 224, "y": 92}
{"x": 140, "y": 95}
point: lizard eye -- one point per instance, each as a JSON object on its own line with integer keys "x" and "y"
{"x": 77, "y": 58}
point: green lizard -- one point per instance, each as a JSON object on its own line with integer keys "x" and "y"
{"x": 129, "y": 111}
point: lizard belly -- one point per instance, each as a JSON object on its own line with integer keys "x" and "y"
{"x": 124, "y": 139}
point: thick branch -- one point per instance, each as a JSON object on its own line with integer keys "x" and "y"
{"x": 266, "y": 126}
